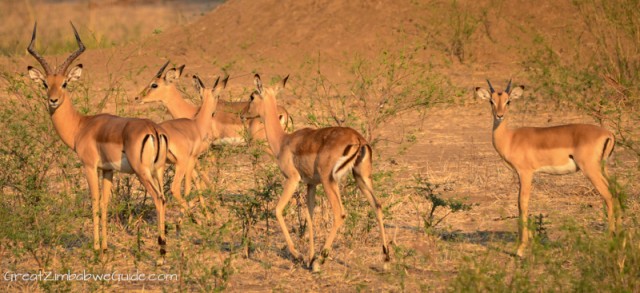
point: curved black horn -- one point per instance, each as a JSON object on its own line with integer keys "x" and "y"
{"x": 508, "y": 90}
{"x": 32, "y": 51}
{"x": 159, "y": 74}
{"x": 491, "y": 87}
{"x": 63, "y": 68}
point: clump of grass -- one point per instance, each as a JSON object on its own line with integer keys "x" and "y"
{"x": 430, "y": 193}
{"x": 579, "y": 260}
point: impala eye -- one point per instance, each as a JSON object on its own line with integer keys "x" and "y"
{"x": 508, "y": 102}
{"x": 64, "y": 85}
{"x": 491, "y": 101}
{"x": 154, "y": 85}
{"x": 45, "y": 85}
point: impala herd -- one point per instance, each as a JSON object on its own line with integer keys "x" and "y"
{"x": 314, "y": 156}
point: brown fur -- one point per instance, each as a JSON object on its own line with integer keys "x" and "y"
{"x": 106, "y": 142}
{"x": 316, "y": 156}
{"x": 550, "y": 150}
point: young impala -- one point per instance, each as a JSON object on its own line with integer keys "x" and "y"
{"x": 554, "y": 150}
{"x": 316, "y": 156}
{"x": 190, "y": 137}
{"x": 104, "y": 142}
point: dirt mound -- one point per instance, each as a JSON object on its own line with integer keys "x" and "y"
{"x": 281, "y": 35}
{"x": 464, "y": 40}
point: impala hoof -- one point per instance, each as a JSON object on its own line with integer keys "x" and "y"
{"x": 315, "y": 266}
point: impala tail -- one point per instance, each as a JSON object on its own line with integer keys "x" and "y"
{"x": 154, "y": 148}
{"x": 609, "y": 146}
{"x": 352, "y": 156}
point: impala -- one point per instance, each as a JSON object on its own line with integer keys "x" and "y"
{"x": 190, "y": 137}
{"x": 227, "y": 127}
{"x": 556, "y": 150}
{"x": 104, "y": 142}
{"x": 316, "y": 156}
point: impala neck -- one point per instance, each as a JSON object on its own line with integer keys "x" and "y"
{"x": 501, "y": 135}
{"x": 273, "y": 129}
{"x": 177, "y": 106}
{"x": 203, "y": 118}
{"x": 66, "y": 121}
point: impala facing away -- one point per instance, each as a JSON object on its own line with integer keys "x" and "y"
{"x": 316, "y": 156}
{"x": 106, "y": 142}
{"x": 190, "y": 137}
{"x": 227, "y": 127}
{"x": 557, "y": 150}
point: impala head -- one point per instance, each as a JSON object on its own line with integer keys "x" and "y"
{"x": 214, "y": 93}
{"x": 55, "y": 82}
{"x": 499, "y": 100}
{"x": 161, "y": 82}
{"x": 255, "y": 107}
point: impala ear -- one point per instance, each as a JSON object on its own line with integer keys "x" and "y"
{"x": 224, "y": 82}
{"x": 173, "y": 74}
{"x": 74, "y": 73}
{"x": 516, "y": 92}
{"x": 198, "y": 84}
{"x": 284, "y": 81}
{"x": 257, "y": 82}
{"x": 482, "y": 93}
{"x": 37, "y": 76}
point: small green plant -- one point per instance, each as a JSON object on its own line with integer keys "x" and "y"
{"x": 464, "y": 25}
{"x": 255, "y": 206}
{"x": 429, "y": 191}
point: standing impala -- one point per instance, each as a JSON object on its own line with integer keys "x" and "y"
{"x": 316, "y": 156}
{"x": 190, "y": 137}
{"x": 557, "y": 150}
{"x": 104, "y": 142}
{"x": 226, "y": 125}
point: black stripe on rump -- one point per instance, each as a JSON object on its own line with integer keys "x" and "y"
{"x": 347, "y": 161}
{"x": 144, "y": 142}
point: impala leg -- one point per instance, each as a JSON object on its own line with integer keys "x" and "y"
{"x": 333, "y": 194}
{"x": 151, "y": 185}
{"x": 365, "y": 185}
{"x": 107, "y": 182}
{"x": 202, "y": 175}
{"x": 598, "y": 180}
{"x": 92, "y": 179}
{"x": 311, "y": 204}
{"x": 189, "y": 178}
{"x": 175, "y": 186}
{"x": 197, "y": 180}
{"x": 523, "y": 208}
{"x": 159, "y": 182}
{"x": 290, "y": 186}
{"x": 203, "y": 204}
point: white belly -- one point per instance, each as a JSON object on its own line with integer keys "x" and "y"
{"x": 569, "y": 167}
{"x": 229, "y": 141}
{"x": 120, "y": 166}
